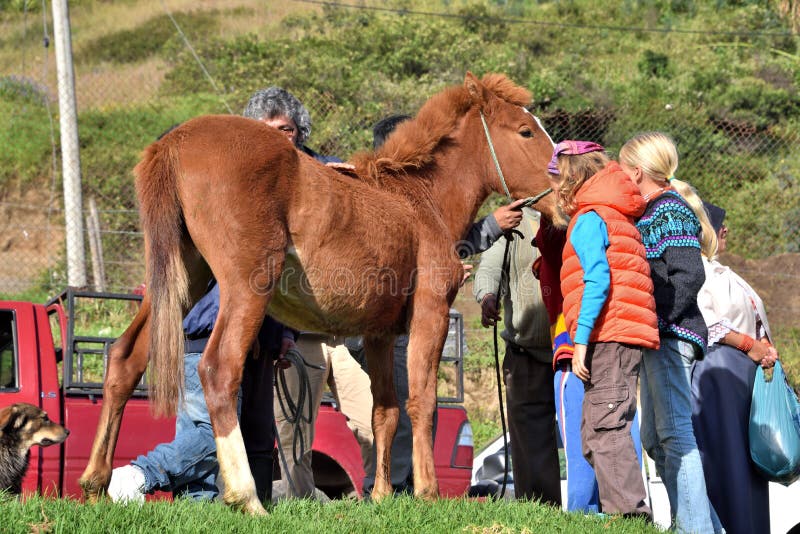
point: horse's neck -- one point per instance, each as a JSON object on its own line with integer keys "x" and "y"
{"x": 453, "y": 194}
{"x": 459, "y": 190}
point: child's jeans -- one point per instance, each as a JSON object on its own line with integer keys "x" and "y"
{"x": 187, "y": 465}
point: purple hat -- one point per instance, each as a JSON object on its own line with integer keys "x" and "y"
{"x": 571, "y": 148}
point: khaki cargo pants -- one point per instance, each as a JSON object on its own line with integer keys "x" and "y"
{"x": 609, "y": 405}
{"x": 350, "y": 386}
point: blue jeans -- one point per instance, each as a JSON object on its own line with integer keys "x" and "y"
{"x": 187, "y": 465}
{"x": 668, "y": 437}
{"x": 582, "y": 493}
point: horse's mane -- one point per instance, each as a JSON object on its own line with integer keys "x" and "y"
{"x": 412, "y": 145}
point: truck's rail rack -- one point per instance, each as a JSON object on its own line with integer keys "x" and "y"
{"x": 85, "y": 358}
{"x": 453, "y": 355}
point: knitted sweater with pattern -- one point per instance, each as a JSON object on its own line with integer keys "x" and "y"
{"x": 670, "y": 233}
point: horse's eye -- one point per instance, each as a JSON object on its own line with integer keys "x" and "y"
{"x": 526, "y": 133}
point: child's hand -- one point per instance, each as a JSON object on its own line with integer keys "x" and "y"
{"x": 579, "y": 363}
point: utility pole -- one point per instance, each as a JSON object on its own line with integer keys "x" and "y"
{"x": 70, "y": 155}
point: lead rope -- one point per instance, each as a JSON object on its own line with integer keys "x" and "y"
{"x": 293, "y": 411}
{"x": 504, "y": 277}
{"x": 494, "y": 157}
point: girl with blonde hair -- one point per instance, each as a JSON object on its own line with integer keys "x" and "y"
{"x": 674, "y": 229}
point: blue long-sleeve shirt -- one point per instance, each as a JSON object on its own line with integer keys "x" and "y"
{"x": 589, "y": 238}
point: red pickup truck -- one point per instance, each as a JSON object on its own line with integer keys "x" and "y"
{"x": 53, "y": 355}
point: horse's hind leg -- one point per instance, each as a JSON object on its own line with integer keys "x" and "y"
{"x": 127, "y": 361}
{"x": 385, "y": 411}
{"x": 428, "y": 330}
{"x": 241, "y": 313}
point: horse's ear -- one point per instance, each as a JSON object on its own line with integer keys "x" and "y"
{"x": 474, "y": 88}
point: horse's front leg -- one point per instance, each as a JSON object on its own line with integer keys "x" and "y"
{"x": 127, "y": 361}
{"x": 426, "y": 341}
{"x": 385, "y": 411}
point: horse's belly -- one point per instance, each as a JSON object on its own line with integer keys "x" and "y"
{"x": 338, "y": 298}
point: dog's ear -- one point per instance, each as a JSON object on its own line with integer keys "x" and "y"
{"x": 6, "y": 417}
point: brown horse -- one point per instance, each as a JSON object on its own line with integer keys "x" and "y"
{"x": 369, "y": 254}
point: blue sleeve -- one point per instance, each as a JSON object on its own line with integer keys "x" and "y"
{"x": 480, "y": 236}
{"x": 320, "y": 157}
{"x": 201, "y": 318}
{"x": 590, "y": 240}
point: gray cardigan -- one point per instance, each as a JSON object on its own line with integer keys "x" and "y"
{"x": 524, "y": 316}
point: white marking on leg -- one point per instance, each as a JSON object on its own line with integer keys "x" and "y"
{"x": 240, "y": 488}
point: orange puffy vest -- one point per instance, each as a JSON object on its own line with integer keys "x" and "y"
{"x": 628, "y": 315}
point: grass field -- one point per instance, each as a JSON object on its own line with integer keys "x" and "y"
{"x": 399, "y": 515}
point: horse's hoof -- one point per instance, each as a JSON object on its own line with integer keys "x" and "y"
{"x": 249, "y": 505}
{"x": 377, "y": 496}
{"x": 380, "y": 491}
{"x": 92, "y": 491}
{"x": 427, "y": 494}
{"x": 254, "y": 507}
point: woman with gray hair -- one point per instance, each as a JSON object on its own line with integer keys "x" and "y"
{"x": 329, "y": 359}
{"x": 280, "y": 109}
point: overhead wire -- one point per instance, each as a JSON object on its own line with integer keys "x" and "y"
{"x": 196, "y": 57}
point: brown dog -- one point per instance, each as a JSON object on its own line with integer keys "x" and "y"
{"x": 22, "y": 426}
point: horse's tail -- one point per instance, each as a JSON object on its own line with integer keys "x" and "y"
{"x": 167, "y": 280}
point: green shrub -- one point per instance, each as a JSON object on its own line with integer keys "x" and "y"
{"x": 149, "y": 38}
{"x": 757, "y": 217}
{"x": 753, "y": 100}
{"x": 654, "y": 64}
{"x": 26, "y": 133}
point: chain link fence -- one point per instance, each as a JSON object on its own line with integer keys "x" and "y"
{"x": 32, "y": 227}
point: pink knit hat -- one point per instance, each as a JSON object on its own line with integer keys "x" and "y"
{"x": 571, "y": 148}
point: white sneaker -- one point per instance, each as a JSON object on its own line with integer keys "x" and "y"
{"x": 127, "y": 485}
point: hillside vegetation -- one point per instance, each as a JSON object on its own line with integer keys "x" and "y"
{"x": 600, "y": 70}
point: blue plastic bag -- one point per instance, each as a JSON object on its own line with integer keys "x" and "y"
{"x": 775, "y": 428}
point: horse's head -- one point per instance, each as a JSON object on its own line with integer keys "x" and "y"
{"x": 521, "y": 147}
